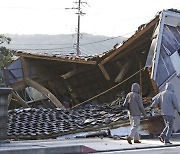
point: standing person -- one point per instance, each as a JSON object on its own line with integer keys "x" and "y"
{"x": 135, "y": 107}
{"x": 168, "y": 104}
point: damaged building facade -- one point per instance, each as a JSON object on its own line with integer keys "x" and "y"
{"x": 150, "y": 57}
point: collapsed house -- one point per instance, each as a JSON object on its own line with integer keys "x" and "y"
{"x": 150, "y": 57}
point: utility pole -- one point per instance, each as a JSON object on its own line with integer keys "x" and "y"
{"x": 79, "y": 13}
{"x": 78, "y": 30}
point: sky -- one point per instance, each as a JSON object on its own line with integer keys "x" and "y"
{"x": 103, "y": 17}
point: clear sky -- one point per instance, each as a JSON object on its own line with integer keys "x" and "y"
{"x": 103, "y": 17}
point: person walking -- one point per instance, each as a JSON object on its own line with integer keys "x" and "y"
{"x": 168, "y": 103}
{"x": 133, "y": 102}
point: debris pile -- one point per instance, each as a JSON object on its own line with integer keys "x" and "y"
{"x": 44, "y": 123}
{"x": 32, "y": 123}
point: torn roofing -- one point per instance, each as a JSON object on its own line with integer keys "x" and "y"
{"x": 100, "y": 58}
{"x": 139, "y": 35}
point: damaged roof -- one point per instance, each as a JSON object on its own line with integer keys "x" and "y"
{"x": 54, "y": 75}
{"x": 93, "y": 59}
{"x": 60, "y": 79}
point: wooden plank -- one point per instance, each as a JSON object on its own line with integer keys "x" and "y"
{"x": 140, "y": 78}
{"x": 20, "y": 100}
{"x": 24, "y": 67}
{"x": 9, "y": 98}
{"x": 18, "y": 85}
{"x": 106, "y": 75}
{"x": 129, "y": 41}
{"x": 153, "y": 83}
{"x": 123, "y": 70}
{"x": 156, "y": 90}
{"x": 45, "y": 57}
{"x": 44, "y": 91}
{"x": 138, "y": 46}
{"x": 119, "y": 65}
{"x": 74, "y": 72}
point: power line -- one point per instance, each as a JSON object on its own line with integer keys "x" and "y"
{"x": 66, "y": 44}
{"x": 27, "y": 8}
{"x": 81, "y": 44}
{"x": 43, "y": 44}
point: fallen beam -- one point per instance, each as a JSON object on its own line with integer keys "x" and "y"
{"x": 20, "y": 100}
{"x": 106, "y": 75}
{"x": 74, "y": 72}
{"x": 123, "y": 71}
{"x": 44, "y": 91}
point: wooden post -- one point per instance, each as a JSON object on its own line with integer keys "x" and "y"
{"x": 155, "y": 88}
{"x": 140, "y": 74}
{"x": 24, "y": 67}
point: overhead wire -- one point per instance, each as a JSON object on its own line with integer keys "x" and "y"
{"x": 99, "y": 42}
{"x": 90, "y": 52}
{"x": 72, "y": 46}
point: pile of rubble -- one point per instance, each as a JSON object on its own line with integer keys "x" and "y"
{"x": 32, "y": 123}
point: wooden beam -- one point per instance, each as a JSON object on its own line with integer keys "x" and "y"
{"x": 140, "y": 78}
{"x": 20, "y": 100}
{"x": 74, "y": 72}
{"x": 119, "y": 65}
{"x": 9, "y": 98}
{"x": 155, "y": 88}
{"x": 44, "y": 91}
{"x": 134, "y": 47}
{"x": 18, "y": 85}
{"x": 61, "y": 59}
{"x": 153, "y": 83}
{"x": 106, "y": 75}
{"x": 24, "y": 67}
{"x": 123, "y": 70}
{"x": 131, "y": 40}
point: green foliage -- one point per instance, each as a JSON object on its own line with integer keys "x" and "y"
{"x": 5, "y": 55}
{"x": 4, "y": 39}
{"x": 5, "y": 59}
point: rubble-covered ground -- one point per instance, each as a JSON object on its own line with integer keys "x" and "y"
{"x": 32, "y": 123}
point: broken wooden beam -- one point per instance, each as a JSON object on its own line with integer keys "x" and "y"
{"x": 20, "y": 100}
{"x": 44, "y": 91}
{"x": 106, "y": 75}
{"x": 131, "y": 40}
{"x": 18, "y": 85}
{"x": 24, "y": 67}
{"x": 74, "y": 72}
{"x": 123, "y": 71}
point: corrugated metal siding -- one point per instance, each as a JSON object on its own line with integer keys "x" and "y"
{"x": 170, "y": 43}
